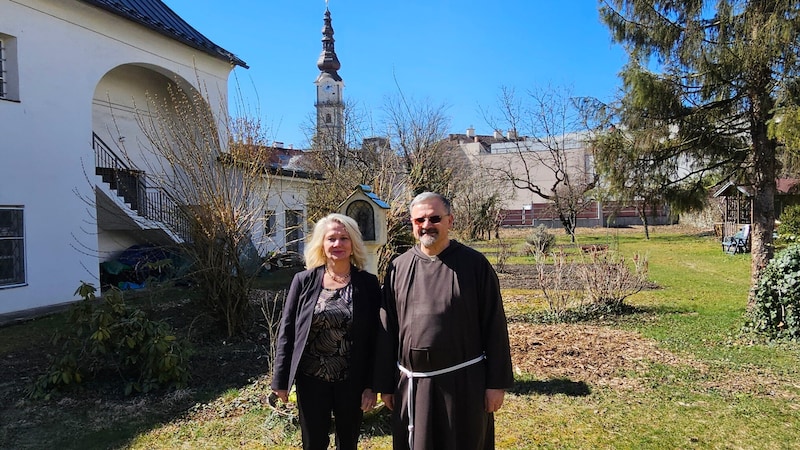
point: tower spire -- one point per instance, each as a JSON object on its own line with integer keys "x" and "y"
{"x": 328, "y": 62}
{"x": 330, "y": 91}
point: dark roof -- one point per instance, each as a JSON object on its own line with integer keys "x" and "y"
{"x": 157, "y": 16}
{"x": 783, "y": 186}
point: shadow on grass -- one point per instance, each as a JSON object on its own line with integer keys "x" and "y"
{"x": 551, "y": 387}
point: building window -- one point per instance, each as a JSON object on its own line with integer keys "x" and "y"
{"x": 12, "y": 246}
{"x": 327, "y": 118}
{"x": 294, "y": 230}
{"x": 271, "y": 223}
{"x": 3, "y": 88}
{"x": 9, "y": 83}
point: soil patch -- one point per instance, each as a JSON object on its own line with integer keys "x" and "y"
{"x": 595, "y": 355}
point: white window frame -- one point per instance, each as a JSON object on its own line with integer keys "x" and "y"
{"x": 3, "y": 69}
{"x": 9, "y": 68}
{"x": 12, "y": 246}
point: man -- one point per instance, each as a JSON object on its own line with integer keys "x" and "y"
{"x": 444, "y": 323}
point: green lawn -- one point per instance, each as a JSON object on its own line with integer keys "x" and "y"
{"x": 729, "y": 392}
{"x": 725, "y": 390}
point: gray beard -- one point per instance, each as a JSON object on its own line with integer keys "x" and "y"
{"x": 427, "y": 240}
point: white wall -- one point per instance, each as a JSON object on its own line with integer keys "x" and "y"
{"x": 64, "y": 49}
{"x": 285, "y": 193}
{"x": 527, "y": 158}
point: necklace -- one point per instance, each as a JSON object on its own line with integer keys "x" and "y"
{"x": 343, "y": 279}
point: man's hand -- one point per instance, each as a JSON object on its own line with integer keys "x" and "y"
{"x": 493, "y": 399}
{"x": 388, "y": 400}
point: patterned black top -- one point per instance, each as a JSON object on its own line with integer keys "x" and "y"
{"x": 327, "y": 352}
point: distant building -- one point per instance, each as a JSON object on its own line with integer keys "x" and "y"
{"x": 531, "y": 159}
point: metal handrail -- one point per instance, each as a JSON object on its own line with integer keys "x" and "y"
{"x": 151, "y": 202}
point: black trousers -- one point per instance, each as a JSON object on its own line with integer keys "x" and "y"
{"x": 316, "y": 400}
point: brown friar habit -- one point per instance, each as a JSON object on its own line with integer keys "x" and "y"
{"x": 439, "y": 312}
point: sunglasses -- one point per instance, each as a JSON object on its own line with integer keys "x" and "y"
{"x": 431, "y": 219}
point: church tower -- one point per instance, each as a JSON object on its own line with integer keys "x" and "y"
{"x": 330, "y": 87}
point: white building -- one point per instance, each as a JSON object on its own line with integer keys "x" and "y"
{"x": 72, "y": 74}
{"x": 530, "y": 161}
{"x": 541, "y": 162}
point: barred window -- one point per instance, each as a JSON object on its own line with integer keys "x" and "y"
{"x": 9, "y": 68}
{"x": 3, "y": 78}
{"x": 12, "y": 246}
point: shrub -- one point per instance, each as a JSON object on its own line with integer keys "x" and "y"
{"x": 556, "y": 282}
{"x": 503, "y": 252}
{"x": 608, "y": 280}
{"x": 112, "y": 337}
{"x": 540, "y": 239}
{"x": 789, "y": 229}
{"x": 777, "y": 297}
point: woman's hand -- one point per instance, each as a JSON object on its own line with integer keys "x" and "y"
{"x": 388, "y": 400}
{"x": 282, "y": 394}
{"x": 368, "y": 399}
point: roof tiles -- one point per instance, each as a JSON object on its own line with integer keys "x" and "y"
{"x": 157, "y": 16}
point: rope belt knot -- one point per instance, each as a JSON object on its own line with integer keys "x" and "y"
{"x": 411, "y": 375}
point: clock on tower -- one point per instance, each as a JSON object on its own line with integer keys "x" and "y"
{"x": 330, "y": 87}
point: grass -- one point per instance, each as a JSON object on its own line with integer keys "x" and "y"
{"x": 727, "y": 389}
{"x": 734, "y": 393}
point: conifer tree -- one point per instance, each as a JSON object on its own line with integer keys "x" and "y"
{"x": 706, "y": 77}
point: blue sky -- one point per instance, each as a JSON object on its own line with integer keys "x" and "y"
{"x": 456, "y": 53}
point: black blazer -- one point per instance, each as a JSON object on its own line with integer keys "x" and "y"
{"x": 296, "y": 323}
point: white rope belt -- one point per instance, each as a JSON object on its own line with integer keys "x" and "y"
{"x": 411, "y": 375}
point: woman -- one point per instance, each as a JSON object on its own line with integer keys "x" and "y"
{"x": 327, "y": 335}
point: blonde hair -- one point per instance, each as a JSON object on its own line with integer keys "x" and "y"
{"x": 314, "y": 252}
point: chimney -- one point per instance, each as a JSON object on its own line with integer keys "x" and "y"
{"x": 475, "y": 139}
{"x": 470, "y": 131}
{"x": 291, "y": 146}
{"x": 498, "y": 134}
{"x": 512, "y": 134}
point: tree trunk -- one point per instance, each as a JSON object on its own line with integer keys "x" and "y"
{"x": 643, "y": 217}
{"x": 762, "y": 249}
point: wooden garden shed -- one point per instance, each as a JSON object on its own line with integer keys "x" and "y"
{"x": 737, "y": 207}
{"x": 738, "y": 202}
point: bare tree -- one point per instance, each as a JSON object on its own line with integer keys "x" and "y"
{"x": 210, "y": 167}
{"x": 418, "y": 132}
{"x": 545, "y": 151}
{"x": 362, "y": 157}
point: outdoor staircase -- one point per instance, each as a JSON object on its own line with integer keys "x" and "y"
{"x": 127, "y": 183}
{"x": 132, "y": 185}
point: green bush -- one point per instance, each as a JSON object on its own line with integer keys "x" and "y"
{"x": 112, "y": 337}
{"x": 777, "y": 297}
{"x": 540, "y": 239}
{"x": 789, "y": 229}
